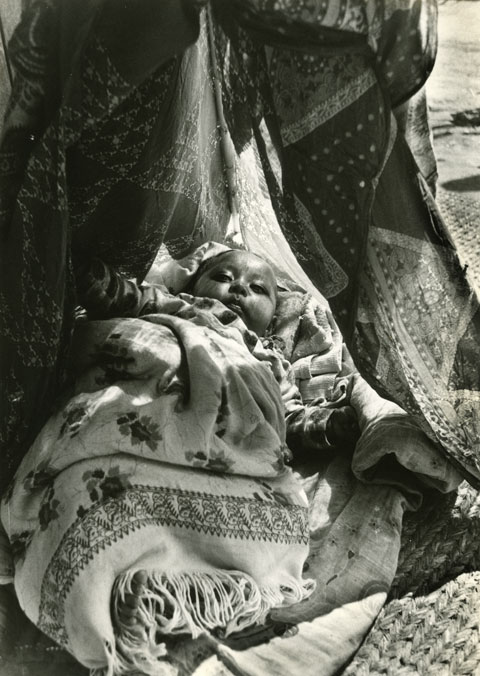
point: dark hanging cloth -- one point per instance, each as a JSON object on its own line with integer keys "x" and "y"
{"x": 86, "y": 123}
{"x": 316, "y": 86}
{"x": 111, "y": 146}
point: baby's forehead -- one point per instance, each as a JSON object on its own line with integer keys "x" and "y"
{"x": 245, "y": 261}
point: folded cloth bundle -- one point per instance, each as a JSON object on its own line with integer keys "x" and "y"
{"x": 168, "y": 458}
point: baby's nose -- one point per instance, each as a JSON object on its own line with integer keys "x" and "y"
{"x": 238, "y": 287}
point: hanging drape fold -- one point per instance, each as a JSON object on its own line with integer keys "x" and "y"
{"x": 111, "y": 147}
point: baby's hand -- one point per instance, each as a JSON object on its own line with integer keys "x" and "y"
{"x": 342, "y": 427}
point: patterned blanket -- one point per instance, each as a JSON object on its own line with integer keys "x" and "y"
{"x": 99, "y": 159}
{"x": 168, "y": 456}
{"x": 169, "y": 452}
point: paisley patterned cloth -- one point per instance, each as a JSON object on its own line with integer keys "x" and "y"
{"x": 84, "y": 159}
{"x": 351, "y": 201}
{"x": 112, "y": 144}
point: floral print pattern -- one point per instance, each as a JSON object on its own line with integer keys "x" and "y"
{"x": 102, "y": 485}
{"x": 49, "y": 509}
{"x": 40, "y": 477}
{"x": 139, "y": 429}
{"x": 74, "y": 417}
{"x": 215, "y": 462}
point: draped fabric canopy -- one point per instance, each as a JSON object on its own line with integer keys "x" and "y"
{"x": 114, "y": 143}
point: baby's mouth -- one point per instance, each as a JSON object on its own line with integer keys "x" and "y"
{"x": 235, "y": 307}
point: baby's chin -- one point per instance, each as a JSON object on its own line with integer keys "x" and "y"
{"x": 237, "y": 310}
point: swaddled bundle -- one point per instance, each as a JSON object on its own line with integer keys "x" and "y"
{"x": 169, "y": 457}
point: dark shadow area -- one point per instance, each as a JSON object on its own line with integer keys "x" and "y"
{"x": 467, "y": 184}
{"x": 467, "y": 118}
{"x": 26, "y": 651}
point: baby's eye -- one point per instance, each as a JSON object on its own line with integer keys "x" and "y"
{"x": 221, "y": 277}
{"x": 257, "y": 288}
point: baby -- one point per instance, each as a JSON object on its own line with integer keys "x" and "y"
{"x": 246, "y": 284}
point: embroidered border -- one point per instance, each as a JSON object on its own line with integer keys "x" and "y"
{"x": 107, "y": 522}
{"x": 326, "y": 110}
{"x": 452, "y": 436}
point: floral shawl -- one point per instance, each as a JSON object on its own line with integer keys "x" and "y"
{"x": 167, "y": 457}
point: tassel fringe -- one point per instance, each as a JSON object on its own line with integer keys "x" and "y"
{"x": 192, "y": 603}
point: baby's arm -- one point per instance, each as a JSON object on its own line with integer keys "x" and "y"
{"x": 312, "y": 427}
{"x": 318, "y": 428}
{"x": 104, "y": 292}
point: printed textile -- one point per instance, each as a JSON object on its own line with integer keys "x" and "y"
{"x": 98, "y": 158}
{"x": 171, "y": 460}
{"x": 113, "y": 143}
{"x": 168, "y": 457}
{"x": 310, "y": 92}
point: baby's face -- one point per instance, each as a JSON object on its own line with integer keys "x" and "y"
{"x": 245, "y": 284}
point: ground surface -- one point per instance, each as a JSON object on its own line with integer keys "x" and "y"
{"x": 453, "y": 89}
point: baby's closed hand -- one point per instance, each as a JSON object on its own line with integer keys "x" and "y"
{"x": 342, "y": 427}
